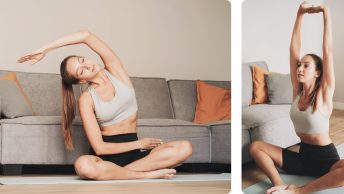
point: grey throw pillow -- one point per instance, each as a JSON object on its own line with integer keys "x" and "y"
{"x": 279, "y": 86}
{"x": 13, "y": 103}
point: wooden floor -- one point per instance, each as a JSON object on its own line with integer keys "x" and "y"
{"x": 128, "y": 188}
{"x": 252, "y": 174}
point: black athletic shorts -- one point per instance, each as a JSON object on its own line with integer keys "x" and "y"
{"x": 125, "y": 158}
{"x": 312, "y": 160}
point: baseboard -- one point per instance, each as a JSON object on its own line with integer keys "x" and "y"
{"x": 338, "y": 105}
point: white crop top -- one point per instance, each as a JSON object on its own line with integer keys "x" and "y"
{"x": 306, "y": 121}
{"x": 120, "y": 107}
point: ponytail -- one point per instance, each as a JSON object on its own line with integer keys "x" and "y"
{"x": 68, "y": 114}
{"x": 68, "y": 104}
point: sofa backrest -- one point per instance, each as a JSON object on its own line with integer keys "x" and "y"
{"x": 247, "y": 82}
{"x": 44, "y": 91}
{"x": 153, "y": 98}
{"x": 183, "y": 95}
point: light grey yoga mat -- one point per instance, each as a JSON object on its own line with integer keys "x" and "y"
{"x": 261, "y": 187}
{"x": 76, "y": 180}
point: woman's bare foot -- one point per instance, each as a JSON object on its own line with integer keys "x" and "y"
{"x": 160, "y": 174}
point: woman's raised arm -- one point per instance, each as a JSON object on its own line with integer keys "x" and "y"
{"x": 328, "y": 80}
{"x": 107, "y": 55}
{"x": 295, "y": 46}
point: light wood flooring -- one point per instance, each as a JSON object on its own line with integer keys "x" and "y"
{"x": 202, "y": 187}
{"x": 128, "y": 188}
{"x": 252, "y": 174}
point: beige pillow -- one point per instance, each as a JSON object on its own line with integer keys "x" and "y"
{"x": 13, "y": 103}
{"x": 13, "y": 77}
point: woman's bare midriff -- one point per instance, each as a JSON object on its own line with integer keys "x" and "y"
{"x": 126, "y": 126}
{"x": 315, "y": 139}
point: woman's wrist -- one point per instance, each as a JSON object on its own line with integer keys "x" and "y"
{"x": 138, "y": 144}
{"x": 324, "y": 9}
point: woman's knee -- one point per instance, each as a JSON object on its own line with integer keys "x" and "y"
{"x": 185, "y": 148}
{"x": 255, "y": 147}
{"x": 85, "y": 167}
{"x": 180, "y": 150}
{"x": 338, "y": 164}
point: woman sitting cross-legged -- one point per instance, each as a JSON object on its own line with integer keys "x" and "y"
{"x": 108, "y": 110}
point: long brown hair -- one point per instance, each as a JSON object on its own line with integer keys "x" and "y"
{"x": 319, "y": 67}
{"x": 68, "y": 103}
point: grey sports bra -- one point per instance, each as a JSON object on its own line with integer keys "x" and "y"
{"x": 119, "y": 108}
{"x": 306, "y": 121}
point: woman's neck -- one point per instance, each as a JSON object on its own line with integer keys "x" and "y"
{"x": 308, "y": 88}
{"x": 100, "y": 79}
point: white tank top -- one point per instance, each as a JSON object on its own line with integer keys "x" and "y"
{"x": 306, "y": 121}
{"x": 119, "y": 108}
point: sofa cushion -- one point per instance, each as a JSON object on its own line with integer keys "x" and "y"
{"x": 183, "y": 95}
{"x": 247, "y": 83}
{"x": 213, "y": 103}
{"x": 14, "y": 103}
{"x": 153, "y": 98}
{"x": 13, "y": 77}
{"x": 279, "y": 132}
{"x": 44, "y": 91}
{"x": 39, "y": 144}
{"x": 244, "y": 127}
{"x": 260, "y": 91}
{"x": 260, "y": 114}
{"x": 245, "y": 143}
{"x": 280, "y": 89}
{"x": 218, "y": 122}
{"x": 172, "y": 130}
{"x": 39, "y": 120}
{"x": 221, "y": 142}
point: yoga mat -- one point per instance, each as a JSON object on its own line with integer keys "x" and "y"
{"x": 262, "y": 186}
{"x": 77, "y": 180}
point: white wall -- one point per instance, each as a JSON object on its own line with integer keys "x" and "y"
{"x": 182, "y": 39}
{"x": 267, "y": 29}
{"x": 336, "y": 7}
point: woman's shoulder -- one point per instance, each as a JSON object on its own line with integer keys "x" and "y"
{"x": 85, "y": 98}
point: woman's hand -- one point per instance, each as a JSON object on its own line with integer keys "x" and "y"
{"x": 282, "y": 189}
{"x": 149, "y": 143}
{"x": 304, "y": 8}
{"x": 34, "y": 57}
{"x": 317, "y": 9}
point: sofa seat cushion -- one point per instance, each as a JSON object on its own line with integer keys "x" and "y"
{"x": 245, "y": 127}
{"x": 224, "y": 122}
{"x": 172, "y": 130}
{"x": 245, "y": 143}
{"x": 278, "y": 132}
{"x": 39, "y": 120}
{"x": 220, "y": 142}
{"x": 36, "y": 140}
{"x": 260, "y": 114}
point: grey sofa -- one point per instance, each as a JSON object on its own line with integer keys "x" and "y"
{"x": 265, "y": 122}
{"x": 166, "y": 111}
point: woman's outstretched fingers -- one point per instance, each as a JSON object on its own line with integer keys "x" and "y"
{"x": 34, "y": 57}
{"x": 276, "y": 188}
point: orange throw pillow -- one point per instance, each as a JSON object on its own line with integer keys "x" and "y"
{"x": 260, "y": 90}
{"x": 13, "y": 77}
{"x": 213, "y": 103}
